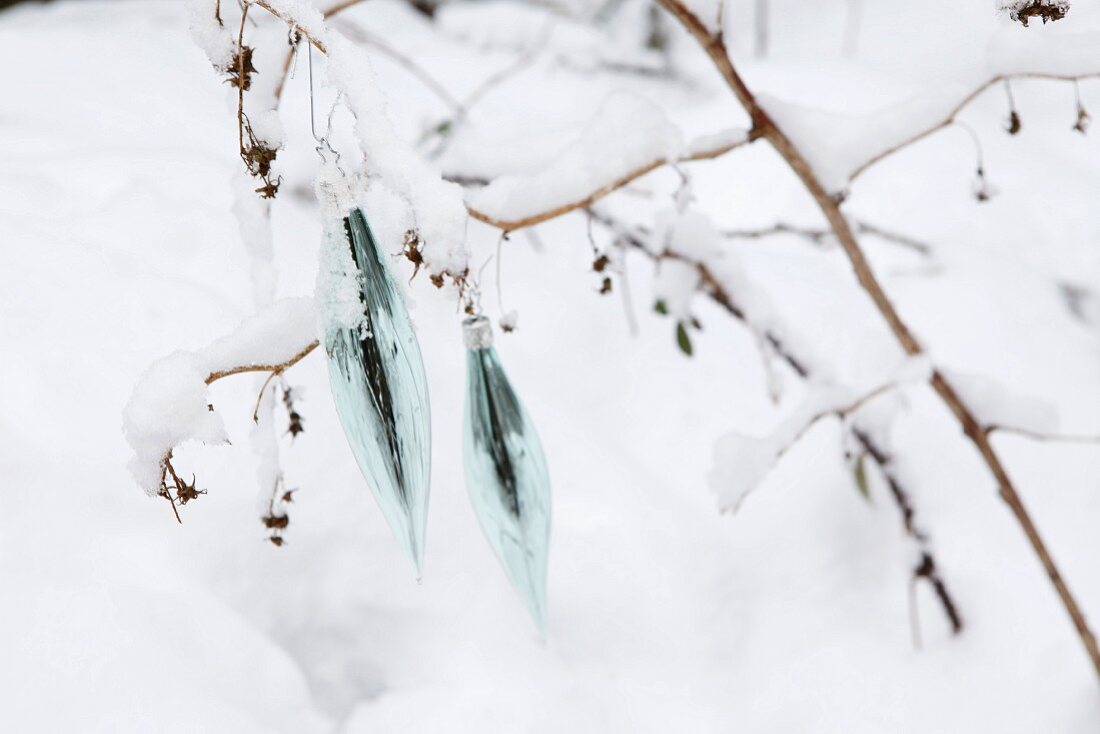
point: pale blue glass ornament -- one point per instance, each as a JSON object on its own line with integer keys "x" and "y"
{"x": 379, "y": 385}
{"x": 505, "y": 470}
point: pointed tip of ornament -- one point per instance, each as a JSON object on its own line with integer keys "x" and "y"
{"x": 537, "y": 608}
{"x": 416, "y": 546}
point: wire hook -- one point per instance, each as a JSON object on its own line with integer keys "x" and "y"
{"x": 321, "y": 140}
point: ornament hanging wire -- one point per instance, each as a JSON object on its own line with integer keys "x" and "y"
{"x": 321, "y": 140}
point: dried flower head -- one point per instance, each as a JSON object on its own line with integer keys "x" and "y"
{"x": 1022, "y": 11}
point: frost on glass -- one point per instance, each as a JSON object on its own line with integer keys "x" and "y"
{"x": 381, "y": 392}
{"x": 506, "y": 471}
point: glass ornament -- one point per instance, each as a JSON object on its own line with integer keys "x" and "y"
{"x": 377, "y": 376}
{"x": 506, "y": 473}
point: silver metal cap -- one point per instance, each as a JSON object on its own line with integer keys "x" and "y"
{"x": 477, "y": 332}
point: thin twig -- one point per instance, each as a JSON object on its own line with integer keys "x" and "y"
{"x": 241, "y": 80}
{"x": 818, "y": 236}
{"x": 1048, "y": 437}
{"x": 260, "y": 396}
{"x": 165, "y": 467}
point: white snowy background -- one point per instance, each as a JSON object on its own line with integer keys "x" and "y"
{"x": 119, "y": 245}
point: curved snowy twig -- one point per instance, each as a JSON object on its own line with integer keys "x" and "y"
{"x": 511, "y": 225}
{"x": 953, "y": 113}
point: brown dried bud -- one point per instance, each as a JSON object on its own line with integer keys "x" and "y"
{"x": 1022, "y": 11}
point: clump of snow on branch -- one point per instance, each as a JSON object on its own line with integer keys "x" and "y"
{"x": 626, "y": 134}
{"x": 683, "y": 239}
{"x": 168, "y": 407}
{"x": 267, "y": 126}
{"x": 837, "y": 144}
{"x": 996, "y": 405}
{"x": 170, "y": 403}
{"x": 675, "y": 286}
{"x": 254, "y": 224}
{"x": 212, "y": 37}
{"x": 741, "y": 462}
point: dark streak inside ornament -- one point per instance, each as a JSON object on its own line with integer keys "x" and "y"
{"x": 362, "y": 245}
{"x": 377, "y": 377}
{"x": 496, "y": 442}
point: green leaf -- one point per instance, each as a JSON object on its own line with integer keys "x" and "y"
{"x": 661, "y": 307}
{"x": 861, "y": 478}
{"x": 683, "y": 339}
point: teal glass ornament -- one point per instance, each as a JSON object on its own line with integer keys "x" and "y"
{"x": 506, "y": 472}
{"x": 377, "y": 377}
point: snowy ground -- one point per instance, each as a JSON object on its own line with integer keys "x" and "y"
{"x": 117, "y": 151}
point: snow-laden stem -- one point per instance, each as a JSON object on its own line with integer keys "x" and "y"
{"x": 715, "y": 47}
{"x": 949, "y": 118}
{"x": 927, "y": 569}
{"x": 511, "y": 225}
{"x": 274, "y": 369}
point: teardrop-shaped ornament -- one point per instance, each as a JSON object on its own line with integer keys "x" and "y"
{"x": 505, "y": 470}
{"x": 375, "y": 368}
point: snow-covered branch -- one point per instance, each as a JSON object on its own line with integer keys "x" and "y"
{"x": 170, "y": 404}
{"x": 742, "y": 462}
{"x": 906, "y": 135}
{"x": 626, "y": 139}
